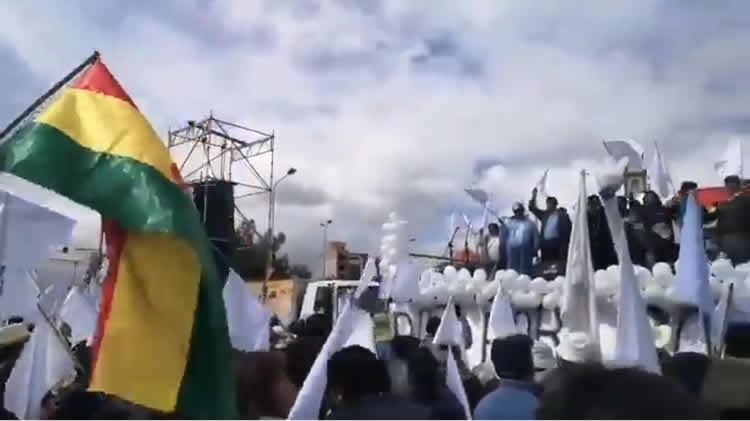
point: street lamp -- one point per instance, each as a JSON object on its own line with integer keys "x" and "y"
{"x": 325, "y": 225}
{"x": 271, "y": 219}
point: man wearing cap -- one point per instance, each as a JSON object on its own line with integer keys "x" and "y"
{"x": 522, "y": 241}
{"x": 516, "y": 397}
{"x": 732, "y": 223}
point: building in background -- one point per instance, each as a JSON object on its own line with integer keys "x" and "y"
{"x": 342, "y": 264}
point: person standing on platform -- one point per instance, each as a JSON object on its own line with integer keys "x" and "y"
{"x": 522, "y": 241}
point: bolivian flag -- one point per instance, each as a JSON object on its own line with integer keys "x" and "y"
{"x": 162, "y": 339}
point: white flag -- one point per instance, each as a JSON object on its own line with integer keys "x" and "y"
{"x": 541, "y": 185}
{"x": 629, "y": 148}
{"x": 731, "y": 162}
{"x": 661, "y": 181}
{"x": 635, "y": 338}
{"x": 578, "y": 309}
{"x": 479, "y": 195}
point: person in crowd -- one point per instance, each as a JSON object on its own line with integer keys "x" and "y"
{"x": 556, "y": 228}
{"x": 732, "y": 223}
{"x": 516, "y": 397}
{"x": 494, "y": 249}
{"x": 300, "y": 356}
{"x": 676, "y": 205}
{"x": 428, "y": 386}
{"x": 522, "y": 241}
{"x": 689, "y": 369}
{"x": 657, "y": 221}
{"x": 634, "y": 229}
{"x": 594, "y": 392}
{"x": 360, "y": 389}
{"x": 602, "y": 248}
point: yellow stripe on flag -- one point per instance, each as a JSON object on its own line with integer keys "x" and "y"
{"x": 103, "y": 123}
{"x": 146, "y": 342}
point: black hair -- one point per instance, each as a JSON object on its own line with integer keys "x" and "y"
{"x": 356, "y": 372}
{"x": 14, "y": 320}
{"x": 318, "y": 325}
{"x": 433, "y": 323}
{"x": 594, "y": 392}
{"x": 424, "y": 376}
{"x": 404, "y": 346}
{"x": 300, "y": 356}
{"x": 512, "y": 357}
{"x": 552, "y": 199}
{"x": 689, "y": 369}
{"x": 687, "y": 186}
{"x": 732, "y": 179}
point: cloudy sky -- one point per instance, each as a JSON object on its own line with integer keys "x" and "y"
{"x": 398, "y": 105}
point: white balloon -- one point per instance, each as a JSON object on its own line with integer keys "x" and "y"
{"x": 449, "y": 273}
{"x": 525, "y": 299}
{"x": 723, "y": 269}
{"x": 662, "y": 269}
{"x": 551, "y": 301}
{"x": 480, "y": 275}
{"x": 523, "y": 282}
{"x": 499, "y": 274}
{"x": 539, "y": 285}
{"x": 654, "y": 293}
{"x": 464, "y": 275}
{"x": 643, "y": 275}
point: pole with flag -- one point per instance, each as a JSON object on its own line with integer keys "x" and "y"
{"x": 162, "y": 339}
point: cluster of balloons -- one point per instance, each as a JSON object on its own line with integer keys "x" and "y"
{"x": 393, "y": 251}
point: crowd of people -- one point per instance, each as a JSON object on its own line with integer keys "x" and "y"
{"x": 651, "y": 225}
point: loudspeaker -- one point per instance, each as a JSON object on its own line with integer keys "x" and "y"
{"x": 215, "y": 202}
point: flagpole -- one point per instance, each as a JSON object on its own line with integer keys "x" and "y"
{"x": 56, "y": 87}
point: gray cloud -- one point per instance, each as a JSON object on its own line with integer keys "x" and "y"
{"x": 371, "y": 101}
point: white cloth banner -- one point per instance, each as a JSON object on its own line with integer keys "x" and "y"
{"x": 27, "y": 231}
{"x": 731, "y": 162}
{"x": 247, "y": 319}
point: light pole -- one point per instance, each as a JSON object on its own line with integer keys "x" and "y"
{"x": 325, "y": 225}
{"x": 271, "y": 220}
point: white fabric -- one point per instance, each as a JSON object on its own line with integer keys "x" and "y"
{"x": 307, "y": 403}
{"x": 363, "y": 332}
{"x": 541, "y": 185}
{"x": 43, "y": 363}
{"x": 247, "y": 319}
{"x": 479, "y": 195}
{"x": 577, "y": 347}
{"x": 635, "y": 339}
{"x": 18, "y": 295}
{"x": 448, "y": 332}
{"x": 79, "y": 313}
{"x": 693, "y": 336}
{"x": 27, "y": 231}
{"x": 501, "y": 322}
{"x": 661, "y": 180}
{"x": 406, "y": 283}
{"x": 692, "y": 281}
{"x": 578, "y": 308}
{"x": 543, "y": 355}
{"x": 731, "y": 162}
{"x": 454, "y": 383}
{"x": 629, "y": 149}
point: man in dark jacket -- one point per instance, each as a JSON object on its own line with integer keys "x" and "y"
{"x": 602, "y": 248}
{"x": 556, "y": 227}
{"x": 732, "y": 222}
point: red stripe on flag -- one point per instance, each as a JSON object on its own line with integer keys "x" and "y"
{"x": 115, "y": 236}
{"x": 99, "y": 79}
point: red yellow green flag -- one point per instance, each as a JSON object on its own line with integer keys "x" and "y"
{"x": 162, "y": 339}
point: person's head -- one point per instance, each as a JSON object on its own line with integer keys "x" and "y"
{"x": 651, "y": 199}
{"x": 518, "y": 210}
{"x": 494, "y": 229}
{"x": 300, "y": 356}
{"x": 687, "y": 187}
{"x": 424, "y": 376}
{"x": 318, "y": 325}
{"x": 594, "y": 392}
{"x": 433, "y": 323}
{"x": 733, "y": 184}
{"x": 688, "y": 369}
{"x": 594, "y": 204}
{"x": 355, "y": 372}
{"x": 622, "y": 205}
{"x": 551, "y": 203}
{"x": 512, "y": 357}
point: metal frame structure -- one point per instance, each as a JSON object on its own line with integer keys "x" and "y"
{"x": 224, "y": 144}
